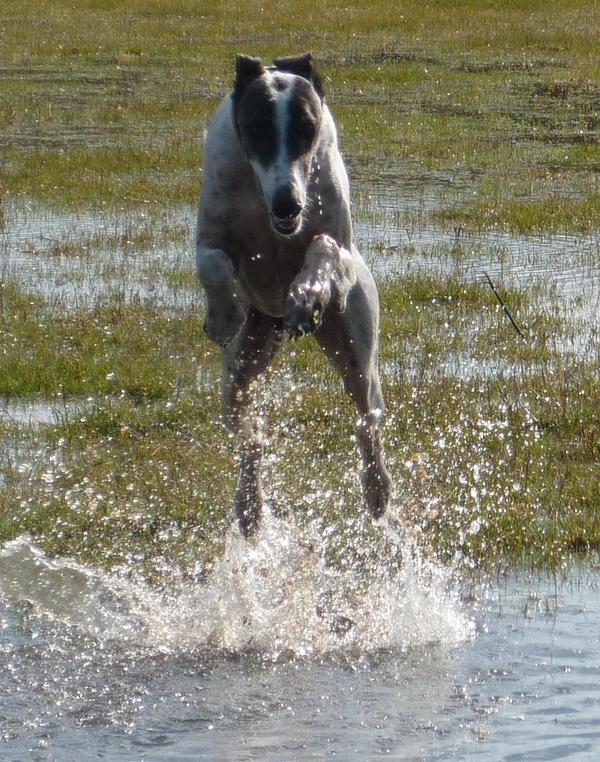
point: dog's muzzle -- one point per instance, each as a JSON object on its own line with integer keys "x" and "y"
{"x": 286, "y": 210}
{"x": 287, "y": 225}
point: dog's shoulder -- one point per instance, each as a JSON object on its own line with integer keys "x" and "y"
{"x": 221, "y": 127}
{"x": 222, "y": 151}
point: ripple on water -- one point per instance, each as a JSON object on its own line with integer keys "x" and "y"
{"x": 99, "y": 664}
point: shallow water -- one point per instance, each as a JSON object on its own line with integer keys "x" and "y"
{"x": 98, "y": 666}
{"x": 80, "y": 259}
{"x": 39, "y": 411}
{"x": 565, "y": 266}
{"x": 273, "y": 656}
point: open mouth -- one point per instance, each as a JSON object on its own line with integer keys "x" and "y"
{"x": 287, "y": 225}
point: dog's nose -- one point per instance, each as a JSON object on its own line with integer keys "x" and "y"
{"x": 285, "y": 205}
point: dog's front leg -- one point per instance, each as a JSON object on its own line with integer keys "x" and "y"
{"x": 226, "y": 309}
{"x": 327, "y": 275}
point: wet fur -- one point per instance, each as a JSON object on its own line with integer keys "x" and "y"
{"x": 276, "y": 258}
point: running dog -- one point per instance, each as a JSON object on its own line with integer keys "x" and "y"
{"x": 276, "y": 259}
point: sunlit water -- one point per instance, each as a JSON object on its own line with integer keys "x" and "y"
{"x": 275, "y": 657}
{"x": 564, "y": 267}
{"x": 104, "y": 257}
{"x": 568, "y": 266}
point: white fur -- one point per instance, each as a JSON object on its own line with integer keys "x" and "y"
{"x": 260, "y": 285}
{"x": 282, "y": 171}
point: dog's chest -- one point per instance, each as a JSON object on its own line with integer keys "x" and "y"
{"x": 266, "y": 274}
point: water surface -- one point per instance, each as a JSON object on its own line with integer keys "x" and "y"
{"x": 96, "y": 666}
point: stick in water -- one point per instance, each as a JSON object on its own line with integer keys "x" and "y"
{"x": 504, "y": 307}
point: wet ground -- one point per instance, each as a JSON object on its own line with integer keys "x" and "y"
{"x": 511, "y": 672}
{"x": 563, "y": 269}
{"x": 79, "y": 258}
{"x": 96, "y": 666}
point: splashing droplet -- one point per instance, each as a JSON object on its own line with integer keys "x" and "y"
{"x": 276, "y": 593}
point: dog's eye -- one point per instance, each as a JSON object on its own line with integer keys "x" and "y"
{"x": 301, "y": 137}
{"x": 256, "y": 128}
{"x": 308, "y": 128}
{"x": 259, "y": 139}
{"x": 260, "y": 135}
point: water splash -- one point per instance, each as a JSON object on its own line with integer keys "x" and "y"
{"x": 275, "y": 594}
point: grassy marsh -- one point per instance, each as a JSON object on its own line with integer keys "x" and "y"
{"x": 488, "y": 110}
{"x": 107, "y": 106}
{"x": 481, "y": 461}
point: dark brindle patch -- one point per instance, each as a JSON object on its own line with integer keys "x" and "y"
{"x": 304, "y": 117}
{"x": 301, "y": 65}
{"x": 255, "y": 117}
{"x": 254, "y": 111}
{"x": 254, "y": 107}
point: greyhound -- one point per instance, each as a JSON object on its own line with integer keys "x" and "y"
{"x": 276, "y": 259}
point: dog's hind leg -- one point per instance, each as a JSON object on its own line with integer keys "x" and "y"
{"x": 350, "y": 339}
{"x": 244, "y": 361}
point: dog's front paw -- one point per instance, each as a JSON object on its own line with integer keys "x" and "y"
{"x": 303, "y": 311}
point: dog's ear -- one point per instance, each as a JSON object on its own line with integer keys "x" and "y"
{"x": 247, "y": 69}
{"x": 303, "y": 66}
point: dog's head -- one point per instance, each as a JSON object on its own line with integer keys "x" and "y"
{"x": 278, "y": 112}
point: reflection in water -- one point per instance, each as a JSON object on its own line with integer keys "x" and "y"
{"x": 81, "y": 259}
{"x": 87, "y": 672}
